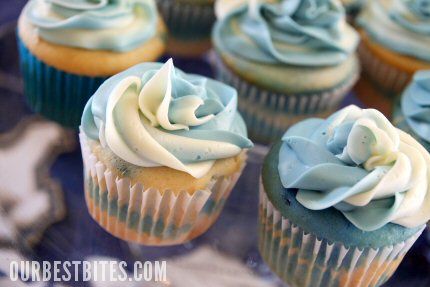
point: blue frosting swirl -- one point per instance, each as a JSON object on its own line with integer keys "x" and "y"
{"x": 117, "y": 25}
{"x": 358, "y": 163}
{"x": 156, "y": 115}
{"x": 415, "y": 105}
{"x": 296, "y": 32}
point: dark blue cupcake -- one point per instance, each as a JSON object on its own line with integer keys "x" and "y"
{"x": 342, "y": 200}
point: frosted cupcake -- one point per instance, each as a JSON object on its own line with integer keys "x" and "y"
{"x": 342, "y": 200}
{"x": 287, "y": 59}
{"x": 162, "y": 151}
{"x": 190, "y": 24}
{"x": 67, "y": 49}
{"x": 412, "y": 115}
{"x": 395, "y": 42}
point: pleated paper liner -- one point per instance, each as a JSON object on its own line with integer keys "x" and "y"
{"x": 292, "y": 104}
{"x": 187, "y": 20}
{"x": 389, "y": 79}
{"x": 55, "y": 94}
{"x": 268, "y": 115}
{"x": 145, "y": 215}
{"x": 267, "y": 126}
{"x": 301, "y": 259}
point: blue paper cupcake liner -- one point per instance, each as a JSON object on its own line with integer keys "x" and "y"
{"x": 187, "y": 21}
{"x": 268, "y": 114}
{"x": 55, "y": 94}
{"x": 301, "y": 259}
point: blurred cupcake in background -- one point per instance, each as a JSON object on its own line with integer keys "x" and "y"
{"x": 287, "y": 59}
{"x": 352, "y": 8}
{"x": 190, "y": 24}
{"x": 342, "y": 200}
{"x": 412, "y": 113}
{"x": 67, "y": 49}
{"x": 162, "y": 151}
{"x": 395, "y": 42}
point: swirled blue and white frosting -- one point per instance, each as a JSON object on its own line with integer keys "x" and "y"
{"x": 295, "y": 32}
{"x": 415, "y": 105}
{"x": 357, "y": 162}
{"x": 116, "y": 25}
{"x": 400, "y": 25}
{"x": 155, "y": 115}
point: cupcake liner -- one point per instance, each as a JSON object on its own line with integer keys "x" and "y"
{"x": 293, "y": 104}
{"x": 57, "y": 95}
{"x": 386, "y": 77}
{"x": 268, "y": 115}
{"x": 146, "y": 215}
{"x": 186, "y": 20}
{"x": 266, "y": 126}
{"x": 301, "y": 259}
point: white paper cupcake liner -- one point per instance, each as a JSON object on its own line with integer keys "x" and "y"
{"x": 145, "y": 215}
{"x": 386, "y": 77}
{"x": 292, "y": 104}
{"x": 268, "y": 115}
{"x": 301, "y": 259}
{"x": 267, "y": 126}
{"x": 186, "y": 20}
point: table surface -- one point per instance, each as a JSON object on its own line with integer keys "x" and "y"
{"x": 78, "y": 236}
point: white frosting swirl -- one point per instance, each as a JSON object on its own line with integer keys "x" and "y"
{"x": 359, "y": 163}
{"x": 151, "y": 116}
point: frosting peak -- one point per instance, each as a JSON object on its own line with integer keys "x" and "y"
{"x": 176, "y": 108}
{"x": 416, "y": 105}
{"x": 117, "y": 25}
{"x": 154, "y": 115}
{"x": 358, "y": 163}
{"x": 296, "y": 32}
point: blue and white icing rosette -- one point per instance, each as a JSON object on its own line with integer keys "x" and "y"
{"x": 299, "y": 36}
{"x": 153, "y": 115}
{"x": 363, "y": 177}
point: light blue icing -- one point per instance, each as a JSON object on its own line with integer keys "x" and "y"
{"x": 420, "y": 23}
{"x": 226, "y": 126}
{"x": 416, "y": 105}
{"x": 402, "y": 26}
{"x": 326, "y": 172}
{"x": 117, "y": 25}
{"x": 296, "y": 32}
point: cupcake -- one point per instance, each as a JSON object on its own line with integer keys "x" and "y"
{"x": 287, "y": 59}
{"x": 68, "y": 48}
{"x": 342, "y": 200}
{"x": 190, "y": 24}
{"x": 162, "y": 150}
{"x": 412, "y": 113}
{"x": 395, "y": 42}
